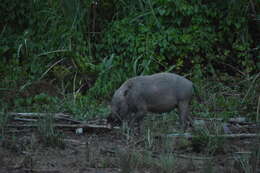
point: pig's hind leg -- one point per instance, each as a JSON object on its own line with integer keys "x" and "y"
{"x": 184, "y": 113}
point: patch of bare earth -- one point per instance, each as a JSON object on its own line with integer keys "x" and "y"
{"x": 22, "y": 150}
{"x": 85, "y": 153}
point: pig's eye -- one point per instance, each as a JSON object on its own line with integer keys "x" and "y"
{"x": 116, "y": 110}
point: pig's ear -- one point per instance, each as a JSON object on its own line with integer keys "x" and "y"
{"x": 127, "y": 89}
{"x": 125, "y": 92}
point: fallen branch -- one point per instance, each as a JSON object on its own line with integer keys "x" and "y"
{"x": 192, "y": 157}
{"x": 73, "y": 126}
{"x": 57, "y": 116}
{"x": 18, "y": 131}
{"x": 25, "y": 119}
{"x": 69, "y": 119}
{"x": 236, "y": 120}
{"x": 229, "y": 156}
{"x": 37, "y": 114}
{"x": 75, "y": 142}
{"x": 41, "y": 170}
{"x": 228, "y": 136}
{"x": 97, "y": 121}
{"x": 107, "y": 151}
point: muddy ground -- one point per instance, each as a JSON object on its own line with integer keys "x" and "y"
{"x": 23, "y": 150}
{"x": 25, "y": 146}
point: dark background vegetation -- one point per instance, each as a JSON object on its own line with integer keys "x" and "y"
{"x": 71, "y": 55}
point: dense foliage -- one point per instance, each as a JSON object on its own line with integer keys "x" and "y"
{"x": 94, "y": 45}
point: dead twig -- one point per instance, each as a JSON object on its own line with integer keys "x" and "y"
{"x": 258, "y": 110}
{"x": 251, "y": 86}
{"x": 234, "y": 68}
{"x": 210, "y": 119}
{"x": 50, "y": 67}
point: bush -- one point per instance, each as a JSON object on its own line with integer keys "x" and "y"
{"x": 174, "y": 36}
{"x": 131, "y": 38}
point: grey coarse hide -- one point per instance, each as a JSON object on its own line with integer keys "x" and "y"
{"x": 156, "y": 93}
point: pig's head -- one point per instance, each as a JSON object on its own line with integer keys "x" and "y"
{"x": 119, "y": 109}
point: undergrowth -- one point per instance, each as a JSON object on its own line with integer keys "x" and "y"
{"x": 49, "y": 135}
